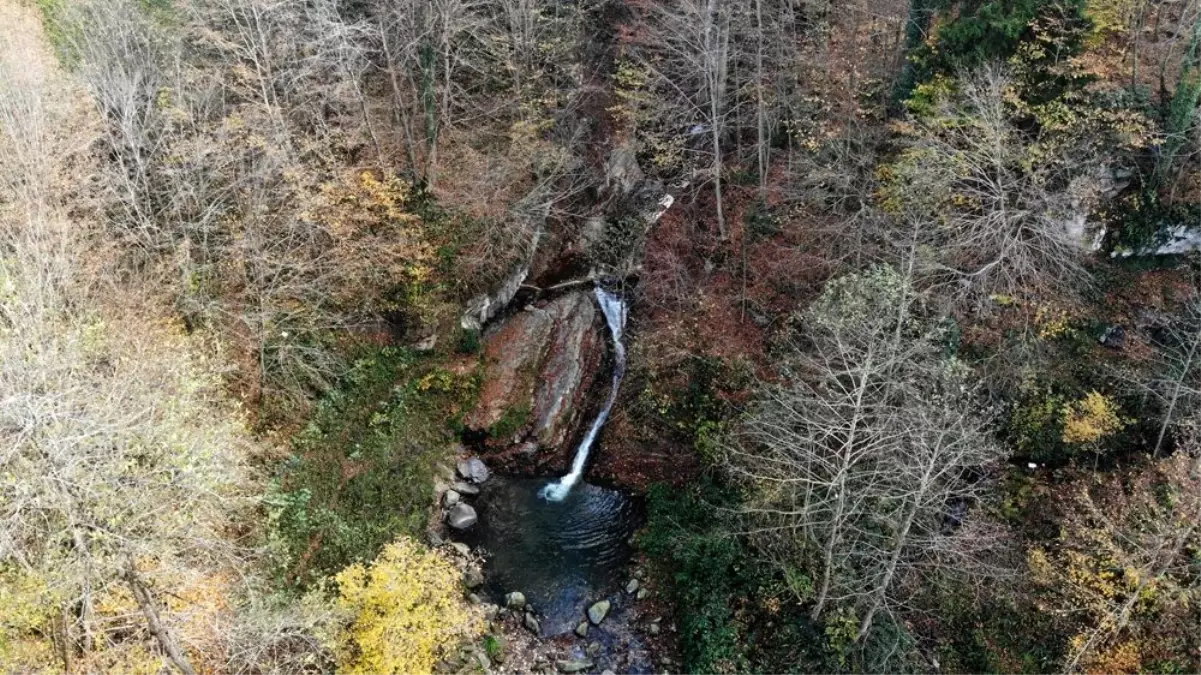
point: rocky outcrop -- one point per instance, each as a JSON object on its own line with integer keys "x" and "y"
{"x": 539, "y": 364}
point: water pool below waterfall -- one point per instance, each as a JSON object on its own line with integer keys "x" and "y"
{"x": 562, "y": 555}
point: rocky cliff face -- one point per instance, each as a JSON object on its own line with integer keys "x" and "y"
{"x": 540, "y": 363}
{"x": 539, "y": 366}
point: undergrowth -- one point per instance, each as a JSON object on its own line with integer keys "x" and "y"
{"x": 361, "y": 471}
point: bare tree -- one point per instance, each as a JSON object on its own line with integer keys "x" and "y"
{"x": 121, "y": 462}
{"x": 859, "y": 462}
{"x": 1001, "y": 207}
{"x": 688, "y": 51}
{"x": 1174, "y": 380}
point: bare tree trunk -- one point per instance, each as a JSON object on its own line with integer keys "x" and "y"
{"x": 760, "y": 107}
{"x": 146, "y": 603}
{"x": 1176, "y": 392}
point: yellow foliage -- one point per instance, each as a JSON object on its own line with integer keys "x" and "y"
{"x": 1124, "y": 657}
{"x": 379, "y": 247}
{"x": 25, "y": 623}
{"x": 1090, "y": 419}
{"x": 1110, "y": 17}
{"x": 406, "y": 610}
{"x": 1051, "y": 322}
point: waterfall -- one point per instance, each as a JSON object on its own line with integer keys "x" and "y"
{"x": 614, "y": 309}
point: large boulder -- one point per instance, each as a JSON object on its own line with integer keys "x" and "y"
{"x": 461, "y": 516}
{"x": 598, "y": 611}
{"x": 539, "y": 365}
{"x": 473, "y": 469}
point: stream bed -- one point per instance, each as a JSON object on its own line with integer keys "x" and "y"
{"x": 562, "y": 555}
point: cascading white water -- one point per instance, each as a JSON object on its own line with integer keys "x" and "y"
{"x": 614, "y": 309}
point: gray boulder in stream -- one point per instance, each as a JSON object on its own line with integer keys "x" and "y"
{"x": 461, "y": 516}
{"x": 598, "y": 611}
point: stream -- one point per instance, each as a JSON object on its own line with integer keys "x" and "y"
{"x": 561, "y": 555}
{"x": 563, "y": 544}
{"x": 614, "y": 309}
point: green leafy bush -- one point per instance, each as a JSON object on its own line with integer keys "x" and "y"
{"x": 736, "y": 613}
{"x": 361, "y": 471}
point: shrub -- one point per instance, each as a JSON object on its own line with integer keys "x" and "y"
{"x": 406, "y": 610}
{"x": 1090, "y": 419}
{"x": 362, "y": 469}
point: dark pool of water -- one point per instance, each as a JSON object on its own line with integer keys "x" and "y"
{"x": 561, "y": 555}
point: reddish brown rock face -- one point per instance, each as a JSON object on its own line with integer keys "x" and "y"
{"x": 539, "y": 367}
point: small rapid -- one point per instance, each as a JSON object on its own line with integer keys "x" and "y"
{"x": 614, "y": 309}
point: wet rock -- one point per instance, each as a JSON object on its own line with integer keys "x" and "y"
{"x": 598, "y": 611}
{"x": 473, "y": 469}
{"x": 539, "y": 366}
{"x": 467, "y": 489}
{"x": 450, "y": 498}
{"x": 643, "y": 594}
{"x": 516, "y": 600}
{"x": 473, "y": 578}
{"x": 574, "y": 665}
{"x": 531, "y": 623}
{"x": 1114, "y": 337}
{"x": 461, "y": 516}
{"x": 632, "y": 586}
{"x": 582, "y": 629}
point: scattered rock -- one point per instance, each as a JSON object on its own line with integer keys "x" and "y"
{"x": 516, "y": 600}
{"x": 435, "y": 539}
{"x": 582, "y": 629}
{"x": 482, "y": 658}
{"x": 608, "y": 672}
{"x": 473, "y": 469}
{"x": 450, "y": 498}
{"x": 461, "y": 548}
{"x": 427, "y": 343}
{"x": 638, "y": 573}
{"x": 593, "y": 649}
{"x": 461, "y": 516}
{"x": 598, "y": 611}
{"x": 464, "y": 488}
{"x": 491, "y": 611}
{"x": 653, "y": 629}
{"x": 474, "y": 599}
{"x": 473, "y": 578}
{"x": 643, "y": 594}
{"x": 574, "y": 665}
{"x": 632, "y": 587}
{"x": 531, "y": 623}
